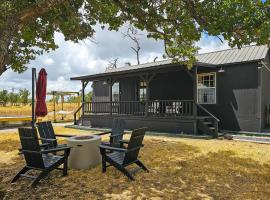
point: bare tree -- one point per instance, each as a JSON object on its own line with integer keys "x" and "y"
{"x": 112, "y": 64}
{"x": 133, "y": 34}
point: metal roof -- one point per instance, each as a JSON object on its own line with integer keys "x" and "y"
{"x": 223, "y": 57}
{"x": 228, "y": 56}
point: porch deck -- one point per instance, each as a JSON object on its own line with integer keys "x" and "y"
{"x": 158, "y": 115}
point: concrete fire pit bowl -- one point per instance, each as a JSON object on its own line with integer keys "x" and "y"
{"x": 84, "y": 153}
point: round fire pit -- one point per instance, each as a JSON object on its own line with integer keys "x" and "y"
{"x": 84, "y": 153}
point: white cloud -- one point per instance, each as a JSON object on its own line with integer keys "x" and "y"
{"x": 86, "y": 57}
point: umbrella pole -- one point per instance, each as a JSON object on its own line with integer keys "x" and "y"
{"x": 33, "y": 97}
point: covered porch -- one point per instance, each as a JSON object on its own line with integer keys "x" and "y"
{"x": 162, "y": 98}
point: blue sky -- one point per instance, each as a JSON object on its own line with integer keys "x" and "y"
{"x": 87, "y": 57}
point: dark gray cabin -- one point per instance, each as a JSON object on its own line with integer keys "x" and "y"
{"x": 225, "y": 90}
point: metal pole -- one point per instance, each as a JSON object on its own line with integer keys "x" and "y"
{"x": 33, "y": 97}
{"x": 54, "y": 114}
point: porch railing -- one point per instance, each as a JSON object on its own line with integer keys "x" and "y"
{"x": 141, "y": 108}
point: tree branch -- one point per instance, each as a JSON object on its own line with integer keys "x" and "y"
{"x": 38, "y": 10}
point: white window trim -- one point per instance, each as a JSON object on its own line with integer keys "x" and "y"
{"x": 215, "y": 83}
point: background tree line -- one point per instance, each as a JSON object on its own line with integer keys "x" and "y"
{"x": 14, "y": 98}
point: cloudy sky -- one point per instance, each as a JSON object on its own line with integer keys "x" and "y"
{"x": 89, "y": 57}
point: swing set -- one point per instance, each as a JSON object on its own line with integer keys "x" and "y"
{"x": 62, "y": 95}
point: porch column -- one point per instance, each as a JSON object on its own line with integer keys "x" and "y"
{"x": 195, "y": 92}
{"x": 147, "y": 96}
{"x": 83, "y": 97}
{"x": 147, "y": 78}
{"x": 110, "y": 95}
{"x": 195, "y": 97}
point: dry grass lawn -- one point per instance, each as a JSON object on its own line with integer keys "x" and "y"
{"x": 179, "y": 169}
{"x": 25, "y": 110}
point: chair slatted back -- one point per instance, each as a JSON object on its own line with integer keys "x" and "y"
{"x": 118, "y": 127}
{"x": 45, "y": 130}
{"x": 134, "y": 145}
{"x": 29, "y": 142}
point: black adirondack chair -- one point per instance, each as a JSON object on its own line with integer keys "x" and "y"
{"x": 123, "y": 157}
{"x": 37, "y": 159}
{"x": 116, "y": 134}
{"x": 48, "y": 136}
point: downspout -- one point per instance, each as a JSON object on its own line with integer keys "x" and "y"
{"x": 260, "y": 109}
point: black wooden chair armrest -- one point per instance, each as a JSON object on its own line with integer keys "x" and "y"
{"x": 103, "y": 133}
{"x": 116, "y": 135}
{"x": 44, "y": 144}
{"x": 28, "y": 151}
{"x": 46, "y": 139}
{"x": 124, "y": 141}
{"x": 64, "y": 135}
{"x": 55, "y": 150}
{"x": 105, "y": 147}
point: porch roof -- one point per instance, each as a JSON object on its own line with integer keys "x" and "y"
{"x": 135, "y": 69}
{"x": 212, "y": 59}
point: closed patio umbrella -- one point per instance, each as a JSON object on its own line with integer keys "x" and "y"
{"x": 41, "y": 108}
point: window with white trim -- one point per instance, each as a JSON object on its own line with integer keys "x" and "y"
{"x": 142, "y": 90}
{"x": 115, "y": 92}
{"x": 206, "y": 88}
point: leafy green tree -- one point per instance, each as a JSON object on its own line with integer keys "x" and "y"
{"x": 88, "y": 96}
{"x": 74, "y": 99}
{"x": 13, "y": 98}
{"x": 24, "y": 95}
{"x": 4, "y": 97}
{"x": 27, "y": 27}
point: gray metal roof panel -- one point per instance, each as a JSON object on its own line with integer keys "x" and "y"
{"x": 223, "y": 57}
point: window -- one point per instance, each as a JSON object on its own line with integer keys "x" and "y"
{"x": 142, "y": 91}
{"x": 115, "y": 92}
{"x": 206, "y": 88}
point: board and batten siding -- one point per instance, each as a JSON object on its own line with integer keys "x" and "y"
{"x": 100, "y": 92}
{"x": 238, "y": 97}
{"x": 265, "y": 89}
{"x": 175, "y": 85}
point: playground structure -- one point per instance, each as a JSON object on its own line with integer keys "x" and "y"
{"x": 62, "y": 95}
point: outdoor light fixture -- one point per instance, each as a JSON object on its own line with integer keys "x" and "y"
{"x": 221, "y": 70}
{"x": 104, "y": 83}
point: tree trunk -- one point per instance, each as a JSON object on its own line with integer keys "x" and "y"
{"x": 7, "y": 32}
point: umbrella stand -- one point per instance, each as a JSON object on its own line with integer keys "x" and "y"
{"x": 33, "y": 97}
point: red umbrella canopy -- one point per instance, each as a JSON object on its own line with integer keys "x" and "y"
{"x": 41, "y": 108}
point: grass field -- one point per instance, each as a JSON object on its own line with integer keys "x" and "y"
{"x": 179, "y": 169}
{"x": 25, "y": 110}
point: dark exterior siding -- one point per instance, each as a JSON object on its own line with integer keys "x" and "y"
{"x": 176, "y": 85}
{"x": 237, "y": 98}
{"x": 240, "y": 98}
{"x": 128, "y": 91}
{"x": 100, "y": 91}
